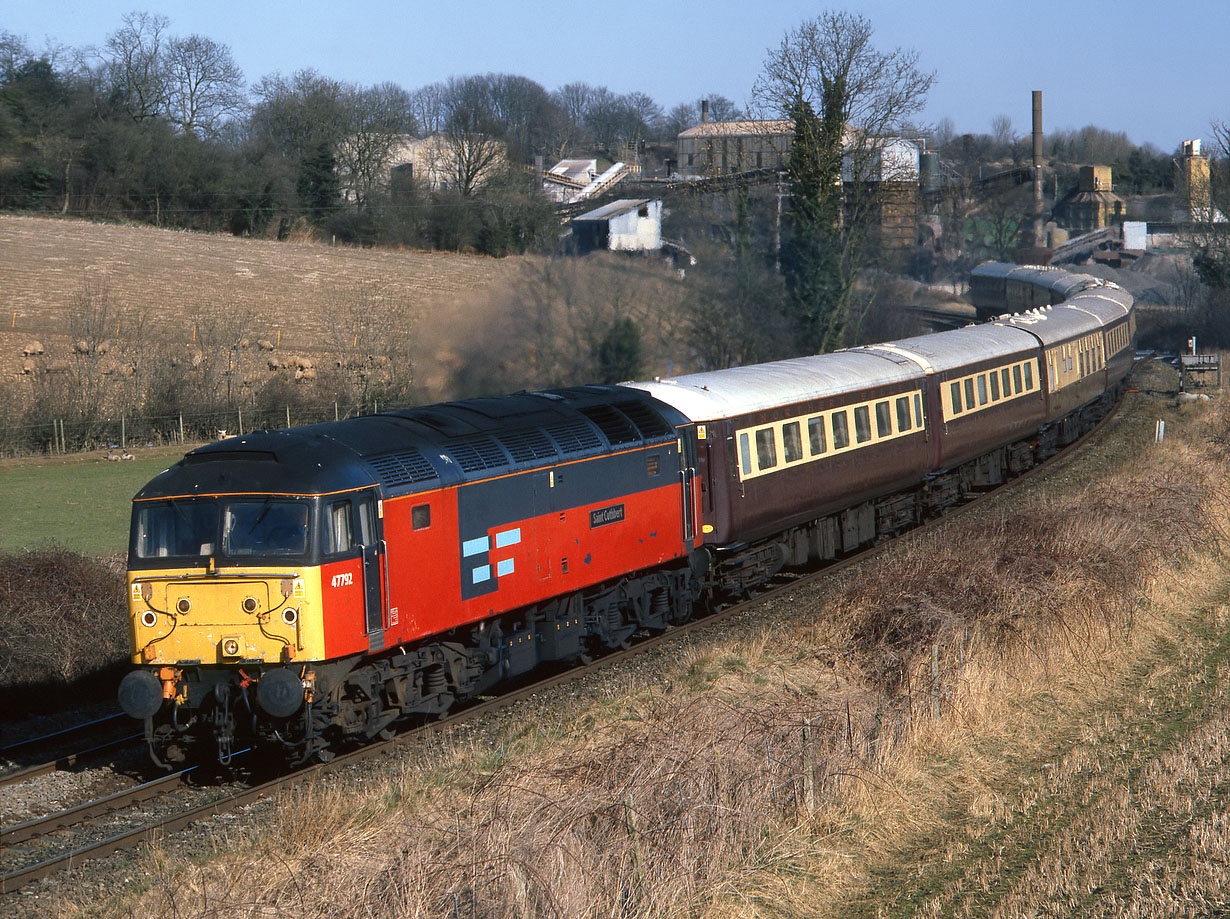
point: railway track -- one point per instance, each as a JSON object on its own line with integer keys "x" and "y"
{"x": 69, "y": 854}
{"x": 66, "y": 748}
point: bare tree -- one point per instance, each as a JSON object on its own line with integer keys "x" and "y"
{"x": 847, "y": 100}
{"x": 1001, "y": 131}
{"x": 135, "y": 63}
{"x": 204, "y": 87}
{"x": 378, "y": 122}
{"x": 297, "y": 115}
{"x": 372, "y": 331}
{"x": 429, "y": 108}
{"x": 90, "y": 319}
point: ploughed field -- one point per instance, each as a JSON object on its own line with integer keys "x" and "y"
{"x": 285, "y": 287}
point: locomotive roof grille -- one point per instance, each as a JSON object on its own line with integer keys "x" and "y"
{"x": 575, "y": 436}
{"x": 477, "y": 455}
{"x": 527, "y": 446}
{"x": 403, "y": 468}
{"x": 647, "y": 421}
{"x": 617, "y": 428}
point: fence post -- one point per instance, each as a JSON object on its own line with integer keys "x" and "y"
{"x": 288, "y": 416}
{"x": 181, "y": 429}
{"x": 240, "y": 431}
{"x": 123, "y": 433}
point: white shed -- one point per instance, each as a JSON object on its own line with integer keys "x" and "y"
{"x": 627, "y": 224}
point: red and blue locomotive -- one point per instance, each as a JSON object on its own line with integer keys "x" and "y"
{"x": 299, "y": 589}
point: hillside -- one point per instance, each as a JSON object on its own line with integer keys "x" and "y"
{"x": 289, "y": 288}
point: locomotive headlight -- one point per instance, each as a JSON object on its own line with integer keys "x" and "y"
{"x": 290, "y": 615}
{"x": 230, "y": 647}
{"x": 249, "y": 604}
{"x": 183, "y": 604}
{"x": 149, "y": 619}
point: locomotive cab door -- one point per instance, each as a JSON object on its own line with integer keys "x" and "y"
{"x": 373, "y": 569}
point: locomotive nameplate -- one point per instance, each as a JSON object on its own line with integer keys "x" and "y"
{"x": 605, "y": 515}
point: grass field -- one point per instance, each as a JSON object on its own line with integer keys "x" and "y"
{"x": 79, "y": 502}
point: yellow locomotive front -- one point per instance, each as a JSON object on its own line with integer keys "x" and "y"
{"x": 224, "y": 600}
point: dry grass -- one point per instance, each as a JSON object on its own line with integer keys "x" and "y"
{"x": 62, "y": 617}
{"x": 1067, "y": 757}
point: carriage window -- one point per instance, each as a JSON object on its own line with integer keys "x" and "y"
{"x": 1016, "y": 379}
{"x": 884, "y": 419}
{"x": 994, "y": 386}
{"x": 792, "y": 442}
{"x": 918, "y": 418}
{"x": 745, "y": 454}
{"x": 766, "y": 449}
{"x": 969, "y": 392}
{"x": 862, "y": 424}
{"x": 420, "y": 516}
{"x": 841, "y": 430}
{"x": 903, "y": 413}
{"x": 815, "y": 435}
{"x": 1029, "y": 376}
{"x": 339, "y": 538}
{"x": 1007, "y": 382}
{"x": 956, "y": 398}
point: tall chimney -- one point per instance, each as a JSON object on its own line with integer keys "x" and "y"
{"x": 704, "y": 110}
{"x": 1039, "y": 240}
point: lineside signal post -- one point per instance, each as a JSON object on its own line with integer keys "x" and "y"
{"x": 1198, "y": 370}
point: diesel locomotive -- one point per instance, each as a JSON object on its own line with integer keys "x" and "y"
{"x": 301, "y": 589}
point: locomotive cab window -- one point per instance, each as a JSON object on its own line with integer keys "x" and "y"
{"x": 338, "y": 535}
{"x": 175, "y": 528}
{"x": 367, "y": 522}
{"x": 265, "y": 527}
{"x": 420, "y": 516}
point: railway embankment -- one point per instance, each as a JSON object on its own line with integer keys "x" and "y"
{"x": 1023, "y": 711}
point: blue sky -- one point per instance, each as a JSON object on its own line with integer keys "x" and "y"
{"x": 1156, "y": 71}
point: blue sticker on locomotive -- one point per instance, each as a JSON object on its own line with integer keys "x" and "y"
{"x": 605, "y": 515}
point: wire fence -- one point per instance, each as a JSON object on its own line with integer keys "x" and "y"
{"x": 75, "y": 435}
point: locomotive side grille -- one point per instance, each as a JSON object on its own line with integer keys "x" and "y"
{"x": 402, "y": 468}
{"x": 647, "y": 421}
{"x": 575, "y": 437}
{"x": 527, "y": 446}
{"x": 477, "y": 455}
{"x": 616, "y": 427}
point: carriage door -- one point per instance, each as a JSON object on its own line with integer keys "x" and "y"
{"x": 373, "y": 550}
{"x": 689, "y": 494}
